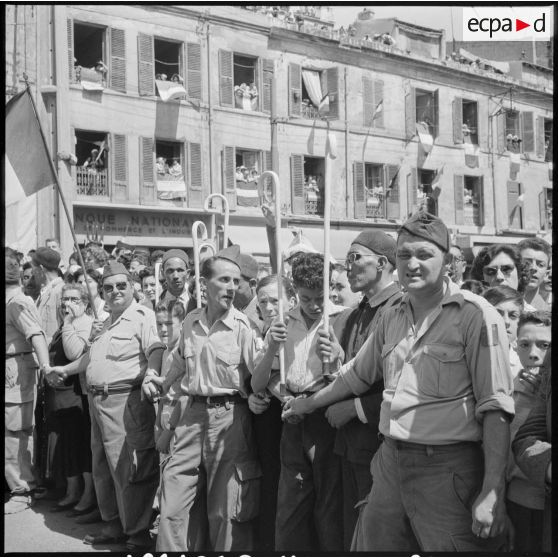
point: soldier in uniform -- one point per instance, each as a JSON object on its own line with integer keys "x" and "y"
{"x": 125, "y": 462}
{"x": 443, "y": 355}
{"x": 211, "y": 478}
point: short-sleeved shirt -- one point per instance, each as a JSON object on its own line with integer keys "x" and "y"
{"x": 122, "y": 349}
{"x": 439, "y": 380}
{"x": 22, "y": 323}
{"x": 216, "y": 359}
{"x": 48, "y": 305}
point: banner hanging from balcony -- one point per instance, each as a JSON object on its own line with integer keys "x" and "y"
{"x": 471, "y": 154}
{"x": 170, "y": 90}
{"x": 91, "y": 79}
{"x": 425, "y": 137}
{"x": 170, "y": 180}
{"x": 247, "y": 193}
{"x": 515, "y": 164}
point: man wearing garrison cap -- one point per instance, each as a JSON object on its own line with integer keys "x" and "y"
{"x": 212, "y": 475}
{"x": 125, "y": 461}
{"x": 443, "y": 356}
{"x": 175, "y": 270}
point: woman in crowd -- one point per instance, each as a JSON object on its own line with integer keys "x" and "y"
{"x": 67, "y": 424}
{"x": 148, "y": 284}
{"x": 93, "y": 278}
{"x": 498, "y": 264}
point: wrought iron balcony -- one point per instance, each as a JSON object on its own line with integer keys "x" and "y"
{"x": 92, "y": 182}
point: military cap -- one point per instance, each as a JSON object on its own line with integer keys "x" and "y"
{"x": 115, "y": 268}
{"x": 231, "y": 254}
{"x": 175, "y": 253}
{"x": 248, "y": 266}
{"x": 123, "y": 245}
{"x": 47, "y": 258}
{"x": 379, "y": 242}
{"x": 428, "y": 227}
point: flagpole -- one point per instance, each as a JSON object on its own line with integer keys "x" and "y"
{"x": 59, "y": 189}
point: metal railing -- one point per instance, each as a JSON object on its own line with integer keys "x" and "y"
{"x": 309, "y": 111}
{"x": 376, "y": 205}
{"x": 92, "y": 182}
{"x": 313, "y": 203}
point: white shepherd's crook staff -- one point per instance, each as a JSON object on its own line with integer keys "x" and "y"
{"x": 276, "y": 199}
{"x": 200, "y": 241}
{"x": 225, "y": 212}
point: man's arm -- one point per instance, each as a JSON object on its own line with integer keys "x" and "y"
{"x": 489, "y": 511}
{"x": 154, "y": 361}
{"x": 41, "y": 350}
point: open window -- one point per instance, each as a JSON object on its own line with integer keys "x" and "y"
{"x": 89, "y": 53}
{"x": 512, "y": 131}
{"x": 169, "y": 69}
{"x": 246, "y": 93}
{"x": 545, "y": 209}
{"x": 469, "y": 200}
{"x": 465, "y": 121}
{"x": 424, "y": 195}
{"x": 307, "y": 185}
{"x": 313, "y": 92}
{"x": 544, "y": 138}
{"x": 376, "y": 190}
{"x": 170, "y": 170}
{"x": 91, "y": 150}
{"x": 515, "y": 205}
{"x": 427, "y": 110}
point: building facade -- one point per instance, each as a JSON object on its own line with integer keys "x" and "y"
{"x": 162, "y": 105}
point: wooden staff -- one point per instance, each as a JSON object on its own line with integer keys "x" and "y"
{"x": 200, "y": 241}
{"x": 276, "y": 200}
{"x": 224, "y": 211}
{"x": 158, "y": 287}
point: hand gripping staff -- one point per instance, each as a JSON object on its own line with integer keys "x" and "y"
{"x": 208, "y": 206}
{"x": 200, "y": 241}
{"x": 275, "y": 199}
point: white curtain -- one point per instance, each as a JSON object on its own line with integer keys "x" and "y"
{"x": 313, "y": 86}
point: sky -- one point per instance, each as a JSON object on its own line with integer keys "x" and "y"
{"x": 434, "y": 16}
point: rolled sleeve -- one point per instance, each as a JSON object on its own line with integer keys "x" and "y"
{"x": 26, "y": 320}
{"x": 253, "y": 347}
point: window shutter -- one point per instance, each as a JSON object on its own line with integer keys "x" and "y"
{"x": 528, "y": 132}
{"x": 226, "y": 89}
{"x": 410, "y": 114}
{"x": 501, "y": 132}
{"x": 479, "y": 217}
{"x": 193, "y": 70}
{"x": 540, "y": 137}
{"x": 378, "y": 96}
{"x": 118, "y": 59}
{"x": 458, "y": 120}
{"x": 333, "y": 90}
{"x": 436, "y": 97}
{"x": 367, "y": 101}
{"x": 267, "y": 84}
{"x": 70, "y": 24}
{"x": 295, "y": 90}
{"x": 146, "y": 65}
{"x": 412, "y": 181}
{"x": 120, "y": 166}
{"x": 297, "y": 184}
{"x": 514, "y": 211}
{"x": 392, "y": 192}
{"x": 267, "y": 165}
{"x": 359, "y": 192}
{"x": 458, "y": 182}
{"x": 195, "y": 187}
{"x": 147, "y": 194}
{"x": 229, "y": 178}
{"x": 542, "y": 209}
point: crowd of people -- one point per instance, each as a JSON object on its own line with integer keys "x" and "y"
{"x": 417, "y": 421}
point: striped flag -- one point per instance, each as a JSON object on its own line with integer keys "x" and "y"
{"x": 247, "y": 194}
{"x": 378, "y": 110}
{"x": 27, "y": 164}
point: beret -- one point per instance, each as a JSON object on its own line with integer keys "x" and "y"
{"x": 248, "y": 266}
{"x": 428, "y": 227}
{"x": 47, "y": 258}
{"x": 231, "y": 253}
{"x": 379, "y": 242}
{"x": 175, "y": 253}
{"x": 115, "y": 268}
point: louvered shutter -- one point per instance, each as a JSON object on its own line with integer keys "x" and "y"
{"x": 267, "y": 165}
{"x": 120, "y": 166}
{"x": 359, "y": 191}
{"x": 146, "y": 65}
{"x": 436, "y": 111}
{"x": 229, "y": 178}
{"x": 540, "y": 137}
{"x": 226, "y": 69}
{"x": 193, "y": 70}
{"x": 378, "y": 98}
{"x": 458, "y": 198}
{"x": 501, "y": 132}
{"x": 195, "y": 190}
{"x": 295, "y": 90}
{"x": 367, "y": 101}
{"x": 458, "y": 120}
{"x": 410, "y": 114}
{"x": 147, "y": 193}
{"x": 514, "y": 210}
{"x": 70, "y": 26}
{"x": 412, "y": 182}
{"x": 267, "y": 84}
{"x": 478, "y": 214}
{"x": 542, "y": 210}
{"x": 482, "y": 126}
{"x": 297, "y": 184}
{"x": 392, "y": 192}
{"x": 528, "y": 132}
{"x": 333, "y": 90}
{"x": 117, "y": 59}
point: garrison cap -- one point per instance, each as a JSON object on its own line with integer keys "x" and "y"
{"x": 379, "y": 242}
{"x": 429, "y": 227}
{"x": 231, "y": 253}
{"x": 47, "y": 258}
{"x": 175, "y": 253}
{"x": 248, "y": 266}
{"x": 115, "y": 268}
{"x": 123, "y": 245}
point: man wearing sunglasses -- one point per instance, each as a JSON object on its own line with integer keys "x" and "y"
{"x": 125, "y": 462}
{"x": 370, "y": 263}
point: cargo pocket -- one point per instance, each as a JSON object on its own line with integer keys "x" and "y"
{"x": 443, "y": 370}
{"x": 245, "y": 501}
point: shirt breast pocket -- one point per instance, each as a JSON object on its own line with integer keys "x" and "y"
{"x": 228, "y": 362}
{"x": 389, "y": 363}
{"x": 442, "y": 370}
{"x": 122, "y": 348}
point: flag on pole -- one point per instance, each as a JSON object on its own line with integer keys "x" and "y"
{"x": 378, "y": 110}
{"x": 426, "y": 140}
{"x": 26, "y": 160}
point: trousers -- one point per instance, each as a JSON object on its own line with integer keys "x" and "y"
{"x": 210, "y": 482}
{"x": 421, "y": 500}
{"x": 309, "y": 502}
{"x": 18, "y": 446}
{"x": 125, "y": 462}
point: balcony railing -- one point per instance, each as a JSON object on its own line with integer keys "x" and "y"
{"x": 91, "y": 181}
{"x": 313, "y": 203}
{"x": 309, "y": 111}
{"x": 376, "y": 205}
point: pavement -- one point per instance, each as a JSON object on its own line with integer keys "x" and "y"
{"x": 39, "y": 530}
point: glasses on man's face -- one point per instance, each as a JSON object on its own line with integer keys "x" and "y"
{"x": 74, "y": 299}
{"x": 353, "y": 257}
{"x": 491, "y": 271}
{"x": 119, "y": 286}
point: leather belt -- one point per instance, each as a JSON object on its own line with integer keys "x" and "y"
{"x": 429, "y": 449}
{"x": 218, "y": 400}
{"x": 14, "y": 355}
{"x": 118, "y": 387}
